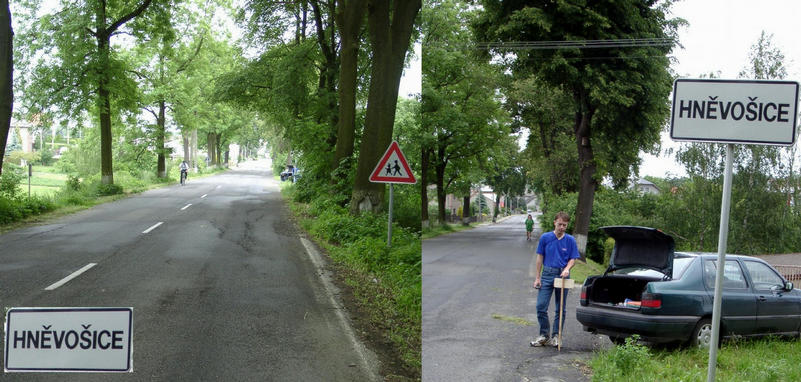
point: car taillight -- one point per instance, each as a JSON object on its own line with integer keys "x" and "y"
{"x": 651, "y": 300}
{"x": 583, "y": 299}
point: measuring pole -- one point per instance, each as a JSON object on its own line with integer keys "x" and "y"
{"x": 723, "y": 236}
{"x": 389, "y": 222}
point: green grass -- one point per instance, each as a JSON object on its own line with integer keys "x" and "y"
{"x": 514, "y": 320}
{"x": 50, "y": 199}
{"x": 385, "y": 282}
{"x": 581, "y": 270}
{"x": 773, "y": 359}
{"x": 437, "y": 229}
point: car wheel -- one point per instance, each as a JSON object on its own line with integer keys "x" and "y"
{"x": 618, "y": 340}
{"x": 702, "y": 334}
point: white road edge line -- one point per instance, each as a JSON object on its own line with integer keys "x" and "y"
{"x": 204, "y": 195}
{"x": 70, "y": 277}
{"x": 362, "y": 351}
{"x": 186, "y": 206}
{"x": 153, "y": 227}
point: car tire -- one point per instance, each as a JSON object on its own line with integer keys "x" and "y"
{"x": 618, "y": 340}
{"x": 702, "y": 334}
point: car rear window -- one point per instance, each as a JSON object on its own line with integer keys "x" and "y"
{"x": 679, "y": 266}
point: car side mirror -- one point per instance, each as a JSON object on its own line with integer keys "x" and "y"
{"x": 788, "y": 286}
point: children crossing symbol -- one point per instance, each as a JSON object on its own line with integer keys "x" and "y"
{"x": 393, "y": 168}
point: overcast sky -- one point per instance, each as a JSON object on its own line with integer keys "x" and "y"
{"x": 718, "y": 38}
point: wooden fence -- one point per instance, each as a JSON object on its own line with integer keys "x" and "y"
{"x": 790, "y": 272}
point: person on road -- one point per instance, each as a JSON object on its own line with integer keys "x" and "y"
{"x": 556, "y": 253}
{"x": 529, "y": 227}
{"x": 184, "y": 170}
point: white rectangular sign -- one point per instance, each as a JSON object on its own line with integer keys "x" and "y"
{"x": 68, "y": 340}
{"x": 734, "y": 111}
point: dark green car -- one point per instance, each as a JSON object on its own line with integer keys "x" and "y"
{"x": 666, "y": 296}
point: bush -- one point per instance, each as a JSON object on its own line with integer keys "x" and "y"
{"x": 73, "y": 183}
{"x": 12, "y": 210}
{"x": 108, "y": 189}
{"x": 9, "y": 182}
{"x": 609, "y": 245}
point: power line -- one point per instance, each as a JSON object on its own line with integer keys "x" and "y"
{"x": 577, "y": 44}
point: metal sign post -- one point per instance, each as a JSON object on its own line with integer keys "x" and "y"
{"x": 389, "y": 221}
{"x": 396, "y": 171}
{"x": 732, "y": 112}
{"x": 723, "y": 237}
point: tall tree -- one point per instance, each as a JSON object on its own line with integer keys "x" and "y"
{"x": 620, "y": 93}
{"x": 350, "y": 18}
{"x": 390, "y": 27}
{"x": 105, "y": 25}
{"x": 177, "y": 38}
{"x": 6, "y": 76}
{"x": 460, "y": 109}
{"x": 79, "y": 65}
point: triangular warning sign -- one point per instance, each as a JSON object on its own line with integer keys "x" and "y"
{"x": 392, "y": 168}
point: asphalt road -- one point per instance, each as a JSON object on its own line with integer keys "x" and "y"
{"x": 479, "y": 310}
{"x": 222, "y": 290}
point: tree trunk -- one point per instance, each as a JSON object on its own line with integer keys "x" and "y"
{"x": 587, "y": 167}
{"x": 6, "y": 76}
{"x": 389, "y": 42}
{"x": 424, "y": 159}
{"x": 439, "y": 173}
{"x": 104, "y": 107}
{"x": 349, "y": 18}
{"x": 186, "y": 148}
{"x": 193, "y": 144}
{"x": 466, "y": 210}
{"x": 161, "y": 172}
{"x": 497, "y": 205}
{"x": 212, "y": 146}
{"x": 103, "y": 36}
{"x": 327, "y": 88}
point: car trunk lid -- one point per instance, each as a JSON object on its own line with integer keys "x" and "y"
{"x": 640, "y": 247}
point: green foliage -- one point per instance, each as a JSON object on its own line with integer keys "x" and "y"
{"x": 763, "y": 360}
{"x": 45, "y": 156}
{"x": 13, "y": 209}
{"x": 16, "y": 157}
{"x": 609, "y": 245}
{"x": 73, "y": 183}
{"x": 10, "y": 181}
{"x": 387, "y": 281}
{"x": 629, "y": 355}
{"x": 107, "y": 189}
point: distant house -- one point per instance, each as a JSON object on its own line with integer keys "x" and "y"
{"x": 645, "y": 186}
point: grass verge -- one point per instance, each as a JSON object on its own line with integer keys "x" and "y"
{"x": 385, "y": 283}
{"x": 442, "y": 229}
{"x": 48, "y": 202}
{"x": 771, "y": 359}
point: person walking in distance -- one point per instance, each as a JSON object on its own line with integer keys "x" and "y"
{"x": 556, "y": 253}
{"x": 529, "y": 227}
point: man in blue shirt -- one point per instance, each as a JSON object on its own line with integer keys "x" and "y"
{"x": 556, "y": 253}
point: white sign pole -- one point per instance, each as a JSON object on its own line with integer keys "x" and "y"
{"x": 723, "y": 236}
{"x": 389, "y": 222}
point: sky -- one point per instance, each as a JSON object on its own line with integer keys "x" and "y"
{"x": 718, "y": 38}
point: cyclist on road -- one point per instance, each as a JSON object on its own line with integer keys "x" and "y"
{"x": 184, "y": 171}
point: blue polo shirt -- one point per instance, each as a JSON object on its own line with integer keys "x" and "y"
{"x": 557, "y": 252}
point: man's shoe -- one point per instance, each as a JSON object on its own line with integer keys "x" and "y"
{"x": 539, "y": 341}
{"x": 554, "y": 342}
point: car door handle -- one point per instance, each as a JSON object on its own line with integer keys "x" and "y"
{"x": 762, "y": 298}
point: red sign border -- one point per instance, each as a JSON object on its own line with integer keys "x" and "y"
{"x": 376, "y": 177}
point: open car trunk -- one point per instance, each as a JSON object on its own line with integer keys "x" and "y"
{"x": 637, "y": 249}
{"x": 618, "y": 291}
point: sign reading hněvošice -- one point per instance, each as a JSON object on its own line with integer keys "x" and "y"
{"x": 68, "y": 340}
{"x": 734, "y": 111}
